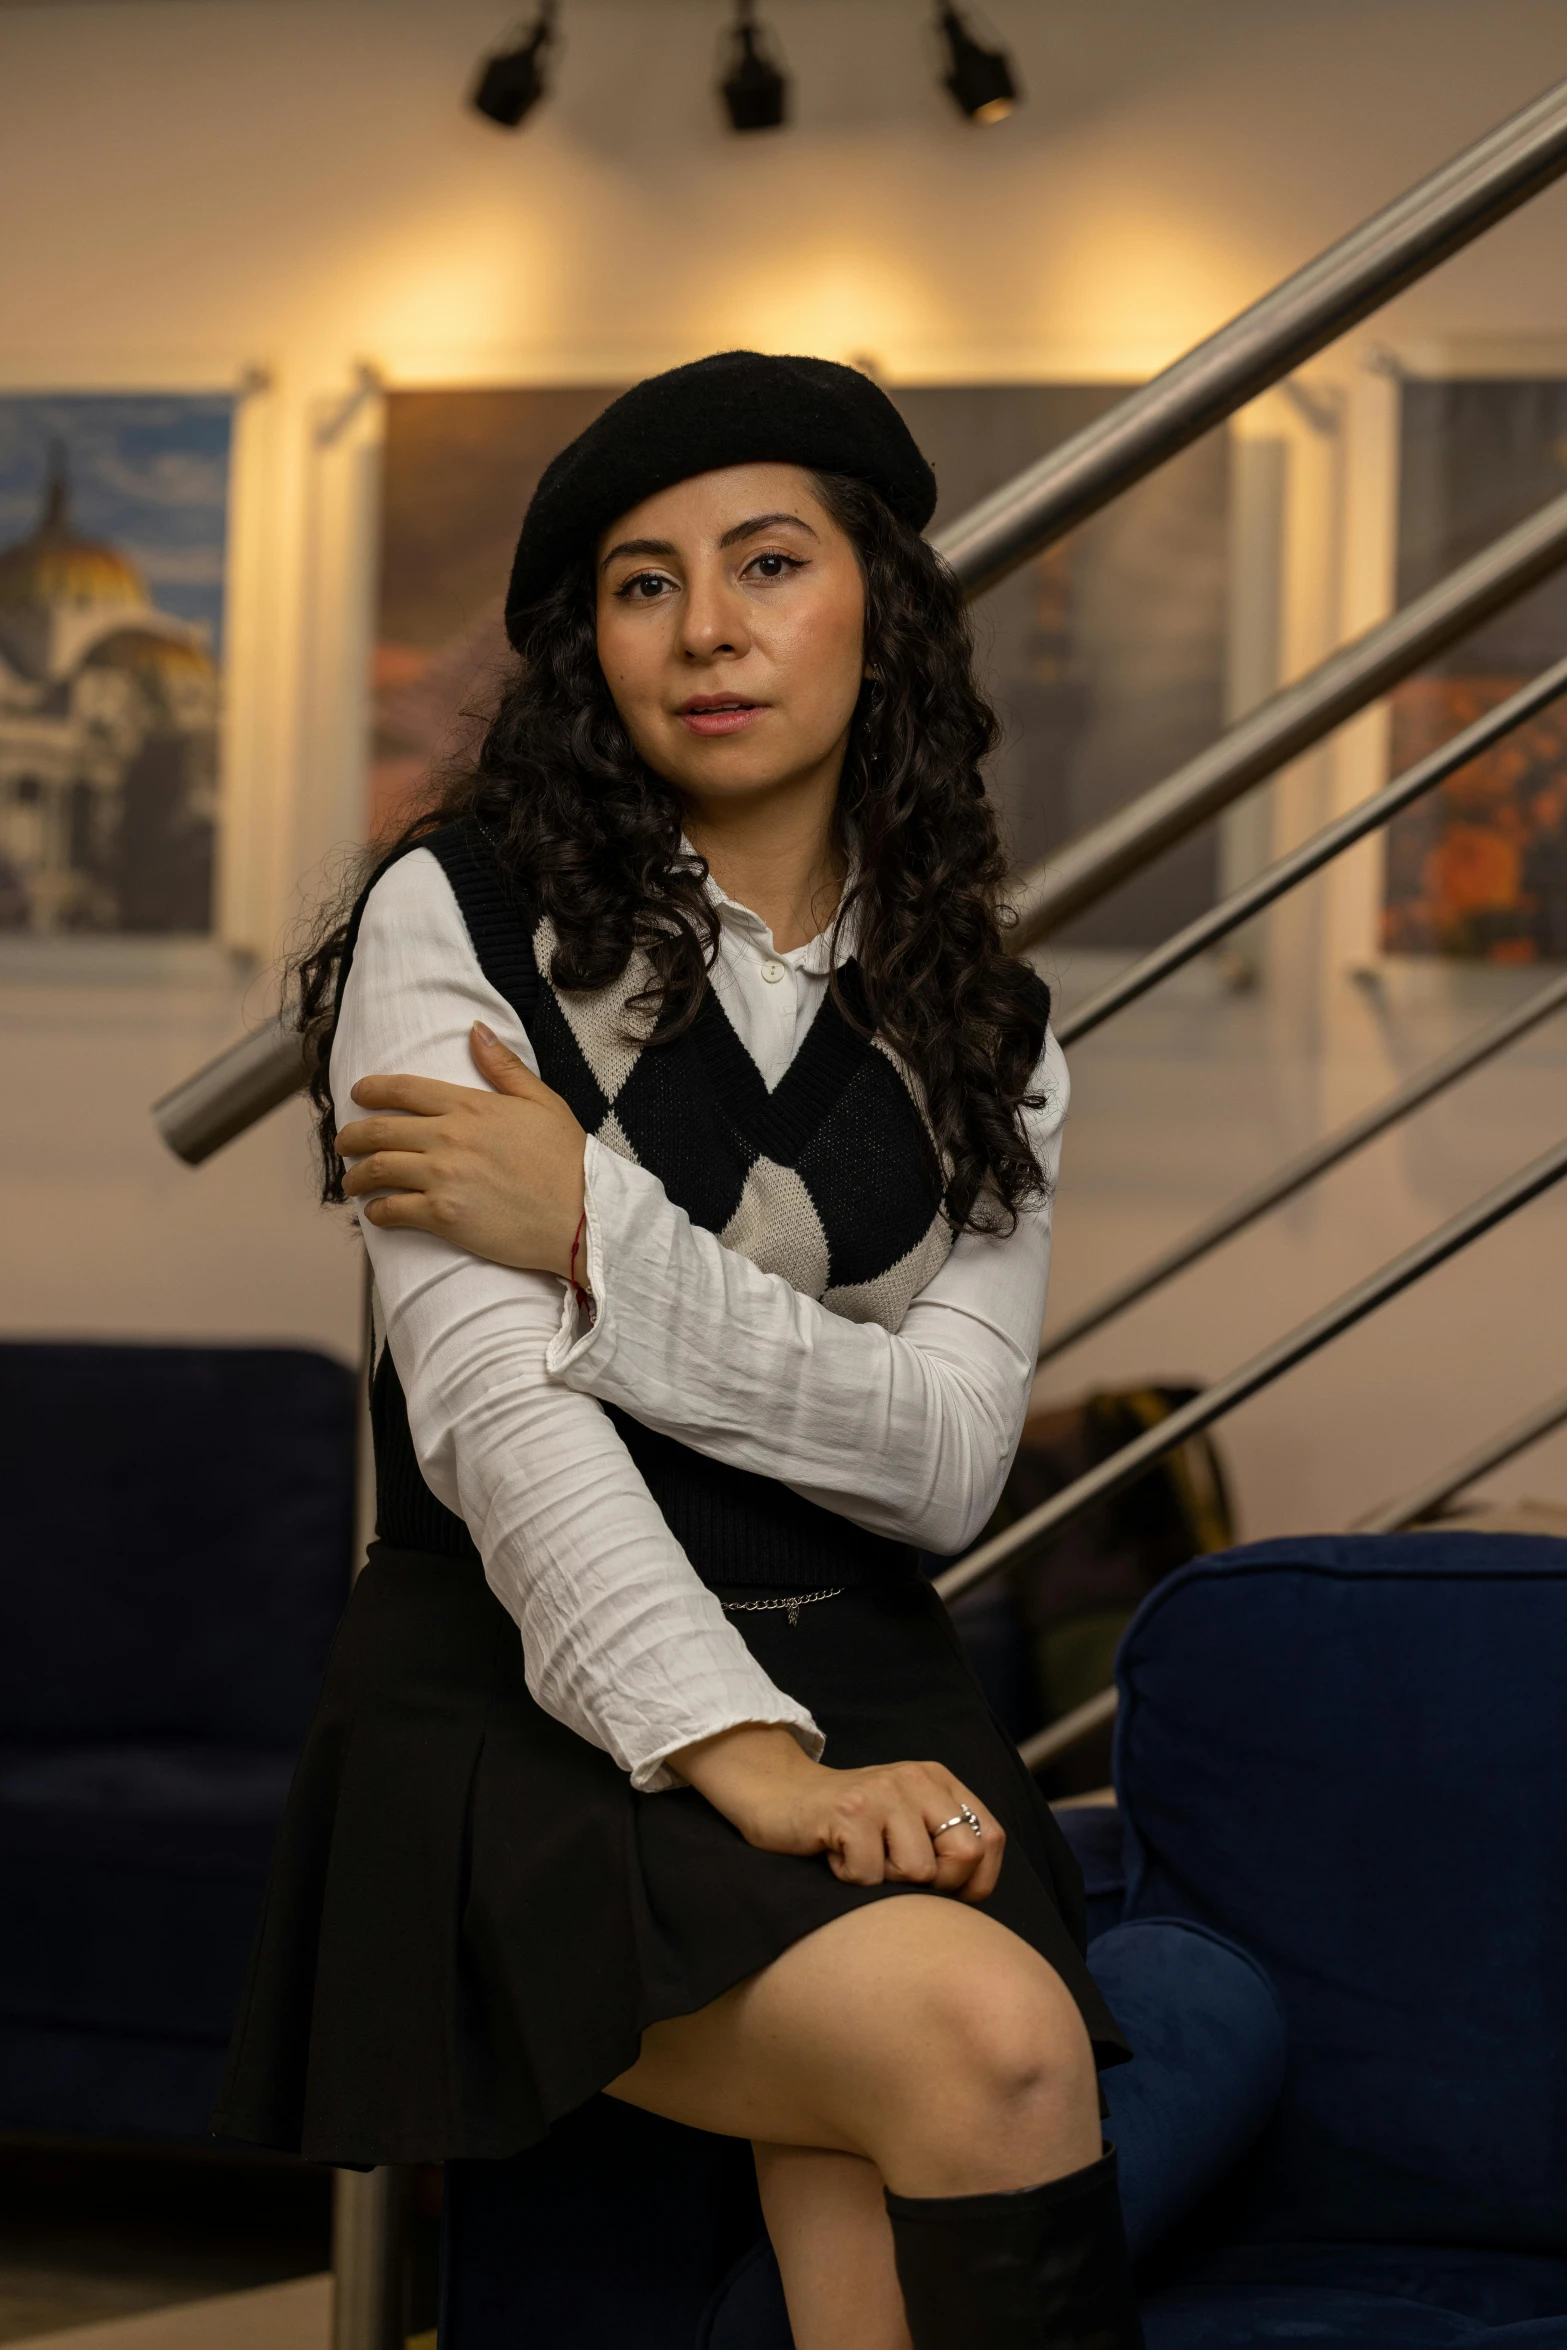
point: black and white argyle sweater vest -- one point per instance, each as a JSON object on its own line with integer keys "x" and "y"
{"x": 830, "y": 1180}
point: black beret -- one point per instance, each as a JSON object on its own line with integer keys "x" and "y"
{"x": 734, "y": 408}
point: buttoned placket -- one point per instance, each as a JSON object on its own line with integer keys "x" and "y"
{"x": 776, "y": 987}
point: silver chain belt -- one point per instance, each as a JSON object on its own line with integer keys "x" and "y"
{"x": 765, "y": 1607}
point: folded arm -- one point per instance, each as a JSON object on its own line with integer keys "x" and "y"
{"x": 621, "y": 1640}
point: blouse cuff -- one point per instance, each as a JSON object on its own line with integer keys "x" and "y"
{"x": 581, "y": 1324}
{"x": 654, "y": 1777}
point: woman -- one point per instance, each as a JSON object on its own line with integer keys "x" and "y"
{"x": 710, "y": 1302}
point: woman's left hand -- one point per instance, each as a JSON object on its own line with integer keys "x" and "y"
{"x": 499, "y": 1174}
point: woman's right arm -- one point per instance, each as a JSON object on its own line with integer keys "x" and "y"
{"x": 621, "y": 1640}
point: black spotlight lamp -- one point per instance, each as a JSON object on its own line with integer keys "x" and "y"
{"x": 512, "y": 82}
{"x": 981, "y": 80}
{"x": 755, "y": 89}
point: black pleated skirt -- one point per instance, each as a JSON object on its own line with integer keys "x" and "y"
{"x": 472, "y": 1918}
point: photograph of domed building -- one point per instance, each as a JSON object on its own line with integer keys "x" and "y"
{"x": 110, "y": 653}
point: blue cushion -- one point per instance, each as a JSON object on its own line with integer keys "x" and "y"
{"x": 1406, "y": 2297}
{"x": 99, "y": 2084}
{"x": 1347, "y": 1754}
{"x": 179, "y": 1521}
{"x": 1096, "y": 1833}
{"x": 145, "y": 1782}
{"x": 1208, "y": 2051}
{"x": 130, "y": 1882}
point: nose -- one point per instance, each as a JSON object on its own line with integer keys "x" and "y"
{"x": 713, "y": 623}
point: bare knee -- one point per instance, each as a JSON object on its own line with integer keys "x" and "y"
{"x": 988, "y": 2079}
{"x": 1005, "y": 2036}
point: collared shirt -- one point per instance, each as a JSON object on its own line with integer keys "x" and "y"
{"x": 907, "y": 1433}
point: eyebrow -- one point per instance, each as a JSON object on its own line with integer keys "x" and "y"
{"x": 731, "y": 538}
{"x": 637, "y": 547}
{"x": 746, "y": 530}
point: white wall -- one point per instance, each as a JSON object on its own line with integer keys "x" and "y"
{"x": 194, "y": 187}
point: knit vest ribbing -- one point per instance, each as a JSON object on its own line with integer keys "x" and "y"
{"x": 830, "y": 1179}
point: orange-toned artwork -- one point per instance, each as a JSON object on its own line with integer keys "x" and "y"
{"x": 1479, "y": 868}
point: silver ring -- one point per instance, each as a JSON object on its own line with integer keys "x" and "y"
{"x": 961, "y": 1818}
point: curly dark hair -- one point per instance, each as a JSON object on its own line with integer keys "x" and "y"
{"x": 594, "y": 836}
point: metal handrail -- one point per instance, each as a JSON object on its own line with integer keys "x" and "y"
{"x": 1298, "y": 1172}
{"x": 1433, "y": 220}
{"x": 1288, "y": 723}
{"x": 1095, "y": 1713}
{"x": 1123, "y": 1467}
{"x": 1479, "y": 1463}
{"x": 1312, "y": 855}
{"x": 1057, "y": 1737}
{"x": 227, "y": 1095}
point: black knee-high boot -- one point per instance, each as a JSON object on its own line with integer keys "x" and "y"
{"x": 1045, "y": 2268}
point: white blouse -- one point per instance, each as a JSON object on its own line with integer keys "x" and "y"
{"x": 909, "y": 1434}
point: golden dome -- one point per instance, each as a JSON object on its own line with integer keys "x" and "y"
{"x": 146, "y": 649}
{"x": 53, "y": 566}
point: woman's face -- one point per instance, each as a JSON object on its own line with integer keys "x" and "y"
{"x": 731, "y": 627}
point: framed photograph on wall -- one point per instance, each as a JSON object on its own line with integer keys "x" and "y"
{"x": 1477, "y": 870}
{"x": 114, "y": 522}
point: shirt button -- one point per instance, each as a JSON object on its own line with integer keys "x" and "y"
{"x": 772, "y": 973}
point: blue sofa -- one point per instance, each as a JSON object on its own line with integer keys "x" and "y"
{"x": 1349, "y": 1755}
{"x": 1342, "y": 1767}
{"x": 179, "y": 1526}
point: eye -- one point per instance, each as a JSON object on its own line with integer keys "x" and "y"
{"x": 643, "y": 587}
{"x": 774, "y": 565}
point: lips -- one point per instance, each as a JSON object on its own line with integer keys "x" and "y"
{"x": 712, "y": 714}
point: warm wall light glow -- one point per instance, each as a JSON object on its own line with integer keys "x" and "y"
{"x": 1140, "y": 282}
{"x": 469, "y": 280}
{"x": 839, "y": 305}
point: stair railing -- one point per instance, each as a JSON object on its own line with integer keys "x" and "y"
{"x": 1397, "y": 246}
{"x": 1020, "y": 1541}
{"x": 1277, "y": 879}
{"x": 1471, "y": 1052}
{"x": 1459, "y": 1475}
{"x": 1287, "y": 723}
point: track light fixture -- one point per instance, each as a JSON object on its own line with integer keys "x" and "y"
{"x": 755, "y": 89}
{"x": 512, "y": 82}
{"x": 754, "y": 86}
{"x": 981, "y": 80}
